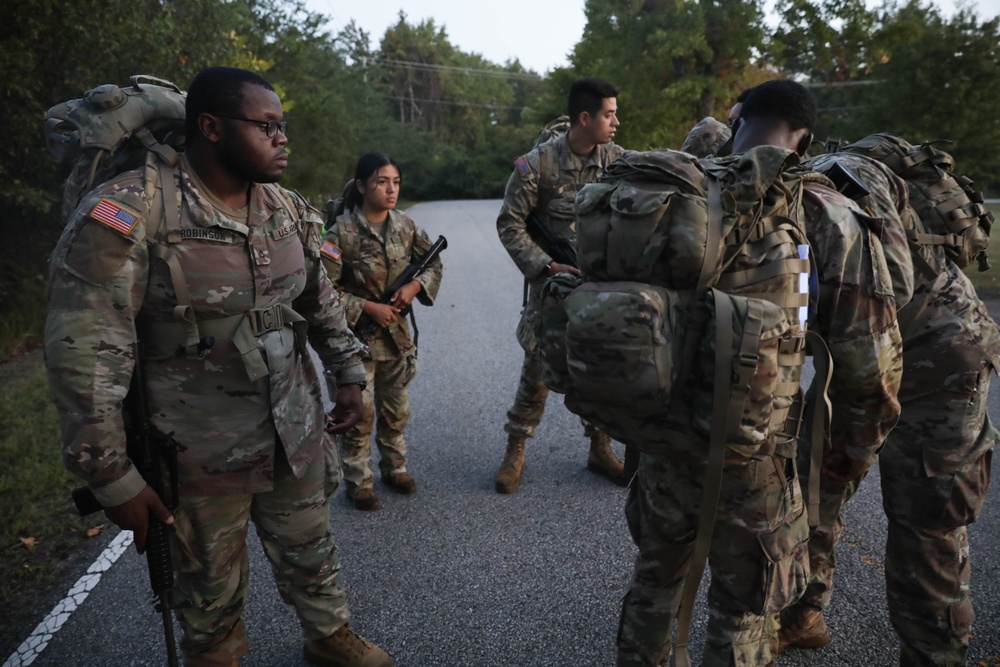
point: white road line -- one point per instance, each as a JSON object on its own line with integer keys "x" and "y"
{"x": 31, "y": 648}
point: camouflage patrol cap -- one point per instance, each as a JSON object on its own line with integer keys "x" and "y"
{"x": 707, "y": 138}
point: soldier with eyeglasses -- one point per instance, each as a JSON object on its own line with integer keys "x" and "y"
{"x": 218, "y": 274}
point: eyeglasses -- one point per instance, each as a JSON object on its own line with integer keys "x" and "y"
{"x": 271, "y": 127}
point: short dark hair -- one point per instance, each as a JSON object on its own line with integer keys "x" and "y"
{"x": 742, "y": 97}
{"x": 367, "y": 165}
{"x": 218, "y": 90}
{"x": 781, "y": 99}
{"x": 588, "y": 94}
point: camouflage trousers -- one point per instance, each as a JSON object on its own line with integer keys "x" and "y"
{"x": 529, "y": 402}
{"x": 211, "y": 565}
{"x": 935, "y": 472}
{"x": 757, "y": 559}
{"x": 386, "y": 411}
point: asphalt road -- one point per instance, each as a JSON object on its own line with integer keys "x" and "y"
{"x": 457, "y": 575}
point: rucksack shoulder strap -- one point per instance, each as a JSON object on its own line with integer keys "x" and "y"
{"x": 350, "y": 238}
{"x": 548, "y": 173}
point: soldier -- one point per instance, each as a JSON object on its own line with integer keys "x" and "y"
{"x": 545, "y": 182}
{"x": 935, "y": 466}
{"x": 855, "y": 316}
{"x": 365, "y": 252}
{"x": 757, "y": 558}
{"x": 237, "y": 274}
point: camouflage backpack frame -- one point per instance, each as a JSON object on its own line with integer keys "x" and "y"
{"x": 952, "y": 212}
{"x": 110, "y": 130}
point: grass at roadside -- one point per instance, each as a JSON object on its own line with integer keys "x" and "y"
{"x": 38, "y": 526}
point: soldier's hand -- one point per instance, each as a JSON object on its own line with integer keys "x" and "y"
{"x": 841, "y": 469}
{"x": 405, "y": 295}
{"x": 134, "y": 515}
{"x": 381, "y": 313}
{"x": 556, "y": 267}
{"x": 346, "y": 410}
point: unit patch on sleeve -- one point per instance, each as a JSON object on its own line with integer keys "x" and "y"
{"x": 522, "y": 166}
{"x": 331, "y": 251}
{"x": 115, "y": 216}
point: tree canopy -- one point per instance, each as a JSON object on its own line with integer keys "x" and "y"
{"x": 454, "y": 120}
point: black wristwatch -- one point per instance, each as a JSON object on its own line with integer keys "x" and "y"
{"x": 361, "y": 383}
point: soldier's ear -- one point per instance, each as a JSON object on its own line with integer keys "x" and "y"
{"x": 210, "y": 127}
{"x": 804, "y": 143}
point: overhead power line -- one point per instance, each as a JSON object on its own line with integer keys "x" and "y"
{"x": 471, "y": 71}
{"x": 453, "y": 104}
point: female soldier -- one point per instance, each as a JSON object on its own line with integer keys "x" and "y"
{"x": 366, "y": 249}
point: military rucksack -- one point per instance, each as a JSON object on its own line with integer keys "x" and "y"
{"x": 631, "y": 344}
{"x": 952, "y": 212}
{"x": 111, "y": 130}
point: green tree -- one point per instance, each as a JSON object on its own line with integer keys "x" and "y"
{"x": 941, "y": 80}
{"x": 676, "y": 61}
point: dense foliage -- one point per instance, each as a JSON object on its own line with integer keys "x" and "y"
{"x": 455, "y": 120}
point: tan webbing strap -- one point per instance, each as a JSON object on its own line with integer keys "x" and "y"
{"x": 782, "y": 300}
{"x": 746, "y": 364}
{"x": 183, "y": 310}
{"x": 922, "y": 238}
{"x": 822, "y": 412}
{"x": 166, "y": 153}
{"x": 764, "y": 272}
{"x": 243, "y": 330}
{"x": 717, "y": 438}
{"x": 722, "y": 411}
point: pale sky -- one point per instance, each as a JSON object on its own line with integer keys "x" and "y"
{"x": 539, "y": 33}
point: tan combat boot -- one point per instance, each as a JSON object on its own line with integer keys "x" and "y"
{"x": 603, "y": 460}
{"x": 400, "y": 482}
{"x": 346, "y": 648}
{"x": 802, "y": 627}
{"x": 509, "y": 475}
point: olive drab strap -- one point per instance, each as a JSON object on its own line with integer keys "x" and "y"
{"x": 723, "y": 409}
{"x": 823, "y": 411}
{"x": 350, "y": 242}
{"x": 199, "y": 337}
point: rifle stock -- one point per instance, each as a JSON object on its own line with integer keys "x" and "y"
{"x": 147, "y": 446}
{"x": 366, "y": 326}
{"x": 560, "y": 250}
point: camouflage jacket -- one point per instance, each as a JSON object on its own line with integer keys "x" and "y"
{"x": 889, "y": 201}
{"x": 105, "y": 286}
{"x": 856, "y": 315}
{"x": 362, "y": 267}
{"x": 940, "y": 316}
{"x": 547, "y": 178}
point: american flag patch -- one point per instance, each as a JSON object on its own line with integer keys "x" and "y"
{"x": 114, "y": 216}
{"x": 522, "y": 166}
{"x": 330, "y": 250}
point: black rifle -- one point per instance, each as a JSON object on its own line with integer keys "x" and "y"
{"x": 366, "y": 326}
{"x": 560, "y": 250}
{"x": 147, "y": 448}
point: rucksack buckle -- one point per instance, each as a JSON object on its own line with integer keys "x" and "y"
{"x": 746, "y": 367}
{"x": 263, "y": 320}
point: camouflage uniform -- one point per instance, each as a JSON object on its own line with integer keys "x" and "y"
{"x": 362, "y": 266}
{"x": 247, "y": 414}
{"x": 935, "y": 466}
{"x": 757, "y": 555}
{"x": 545, "y": 180}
